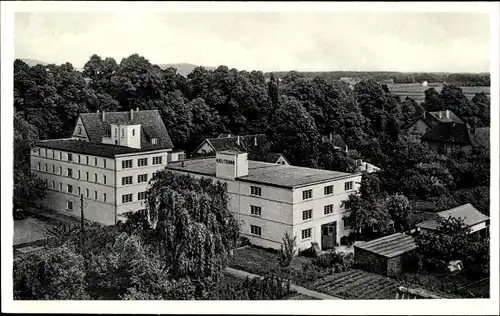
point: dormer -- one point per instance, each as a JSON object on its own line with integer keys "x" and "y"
{"x": 128, "y": 135}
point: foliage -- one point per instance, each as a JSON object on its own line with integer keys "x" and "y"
{"x": 288, "y": 249}
{"x": 335, "y": 260}
{"x": 400, "y": 209}
{"x": 269, "y": 287}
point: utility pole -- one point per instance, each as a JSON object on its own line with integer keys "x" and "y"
{"x": 82, "y": 238}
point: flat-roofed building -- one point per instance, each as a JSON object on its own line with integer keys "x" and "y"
{"x": 269, "y": 199}
{"x": 109, "y": 160}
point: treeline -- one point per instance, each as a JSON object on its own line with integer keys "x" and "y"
{"x": 295, "y": 112}
{"x": 459, "y": 79}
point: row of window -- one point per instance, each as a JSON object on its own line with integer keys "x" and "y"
{"x": 73, "y": 158}
{"x": 327, "y": 190}
{"x": 307, "y": 214}
{"x": 77, "y": 191}
{"x": 140, "y": 179}
{"x": 127, "y": 198}
{"x": 306, "y": 194}
{"x": 69, "y": 173}
{"x": 257, "y": 230}
{"x": 141, "y": 162}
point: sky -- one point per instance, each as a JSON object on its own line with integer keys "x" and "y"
{"x": 433, "y": 42}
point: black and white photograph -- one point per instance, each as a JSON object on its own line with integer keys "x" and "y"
{"x": 249, "y": 152}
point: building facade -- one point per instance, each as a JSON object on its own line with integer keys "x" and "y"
{"x": 269, "y": 199}
{"x": 108, "y": 161}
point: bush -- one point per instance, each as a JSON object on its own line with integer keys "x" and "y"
{"x": 288, "y": 250}
{"x": 269, "y": 287}
{"x": 308, "y": 253}
{"x": 243, "y": 241}
{"x": 337, "y": 261}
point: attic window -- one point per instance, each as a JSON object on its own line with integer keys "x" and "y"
{"x": 79, "y": 130}
{"x": 154, "y": 141}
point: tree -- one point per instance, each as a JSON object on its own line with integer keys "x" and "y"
{"x": 432, "y": 101}
{"x": 399, "y": 208}
{"x": 55, "y": 274}
{"x": 192, "y": 219}
{"x": 294, "y": 133}
{"x": 288, "y": 249}
{"x": 332, "y": 158}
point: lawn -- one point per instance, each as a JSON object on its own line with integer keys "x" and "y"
{"x": 261, "y": 262}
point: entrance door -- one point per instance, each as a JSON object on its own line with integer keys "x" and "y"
{"x": 328, "y": 235}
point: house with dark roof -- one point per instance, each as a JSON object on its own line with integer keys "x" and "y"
{"x": 422, "y": 124}
{"x": 257, "y": 147}
{"x": 270, "y": 199}
{"x": 471, "y": 216}
{"x": 449, "y": 137}
{"x": 108, "y": 162}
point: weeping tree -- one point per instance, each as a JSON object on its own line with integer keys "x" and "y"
{"x": 193, "y": 224}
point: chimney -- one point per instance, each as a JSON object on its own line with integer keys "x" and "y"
{"x": 131, "y": 114}
{"x": 238, "y": 140}
{"x": 97, "y": 111}
{"x": 448, "y": 114}
{"x": 440, "y": 114}
{"x": 103, "y": 115}
{"x": 137, "y": 109}
{"x": 255, "y": 140}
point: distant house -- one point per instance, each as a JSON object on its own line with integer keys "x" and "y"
{"x": 474, "y": 219}
{"x": 257, "y": 147}
{"x": 449, "y": 137}
{"x": 336, "y": 140}
{"x": 422, "y": 124}
{"x": 387, "y": 81}
{"x": 350, "y": 81}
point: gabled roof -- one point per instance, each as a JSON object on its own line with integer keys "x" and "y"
{"x": 266, "y": 156}
{"x": 467, "y": 212}
{"x": 455, "y": 133}
{"x": 446, "y": 116}
{"x": 389, "y": 246}
{"x": 152, "y": 126}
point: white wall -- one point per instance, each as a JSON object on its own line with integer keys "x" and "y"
{"x": 79, "y": 126}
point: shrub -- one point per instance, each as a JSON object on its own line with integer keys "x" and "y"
{"x": 288, "y": 250}
{"x": 269, "y": 287}
{"x": 243, "y": 241}
{"x": 308, "y": 253}
{"x": 337, "y": 261}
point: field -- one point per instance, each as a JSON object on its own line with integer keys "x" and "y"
{"x": 358, "y": 284}
{"x": 416, "y": 91}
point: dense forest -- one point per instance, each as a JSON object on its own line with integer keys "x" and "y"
{"x": 295, "y": 111}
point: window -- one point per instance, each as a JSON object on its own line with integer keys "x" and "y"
{"x": 53, "y": 154}
{"x": 123, "y": 133}
{"x": 104, "y": 179}
{"x": 329, "y": 190}
{"x": 347, "y": 222}
{"x": 95, "y": 177}
{"x": 142, "y": 195}
{"x": 46, "y": 167}
{"x": 70, "y": 172}
{"x": 256, "y": 230}
{"x": 79, "y": 191}
{"x": 87, "y": 192}
{"x": 95, "y": 162}
{"x": 142, "y": 178}
{"x": 53, "y": 169}
{"x": 104, "y": 197}
{"x": 307, "y": 214}
{"x": 307, "y": 194}
{"x": 70, "y": 188}
{"x": 60, "y": 155}
{"x": 70, "y": 157}
{"x": 104, "y": 162}
{"x": 79, "y": 174}
{"x": 60, "y": 170}
{"x": 69, "y": 206}
{"x": 126, "y": 164}
{"x": 87, "y": 160}
{"x": 60, "y": 186}
{"x": 46, "y": 183}
{"x": 255, "y": 191}
{"x": 127, "y": 198}
{"x": 157, "y": 160}
{"x": 133, "y": 132}
{"x": 348, "y": 186}
{"x": 116, "y": 131}
{"x": 79, "y": 159}
{"x": 306, "y": 233}
{"x": 328, "y": 209}
{"x": 154, "y": 141}
{"x": 79, "y": 130}
{"x": 38, "y": 166}
{"x": 141, "y": 162}
{"x": 95, "y": 195}
{"x": 255, "y": 210}
{"x": 126, "y": 180}
{"x": 53, "y": 184}
{"x": 87, "y": 175}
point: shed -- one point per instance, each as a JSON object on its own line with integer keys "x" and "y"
{"x": 387, "y": 255}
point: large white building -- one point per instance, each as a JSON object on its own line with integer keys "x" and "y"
{"x": 109, "y": 159}
{"x": 270, "y": 199}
